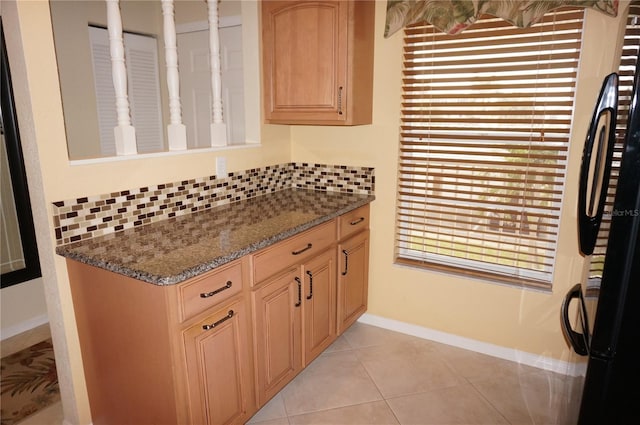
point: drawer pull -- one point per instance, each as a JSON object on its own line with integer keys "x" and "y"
{"x": 299, "y": 291}
{"x": 214, "y": 324}
{"x": 309, "y": 246}
{"x": 354, "y": 222}
{"x": 346, "y": 262}
{"x": 310, "y": 285}
{"x": 217, "y": 291}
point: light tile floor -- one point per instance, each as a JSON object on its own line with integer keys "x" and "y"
{"x": 373, "y": 376}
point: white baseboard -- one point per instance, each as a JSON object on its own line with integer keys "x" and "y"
{"x": 24, "y": 326}
{"x": 541, "y": 362}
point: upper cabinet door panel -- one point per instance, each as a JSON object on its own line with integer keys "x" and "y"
{"x": 308, "y": 44}
{"x": 317, "y": 61}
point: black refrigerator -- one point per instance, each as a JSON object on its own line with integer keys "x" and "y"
{"x": 607, "y": 329}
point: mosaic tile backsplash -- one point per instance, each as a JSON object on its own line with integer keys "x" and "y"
{"x": 89, "y": 217}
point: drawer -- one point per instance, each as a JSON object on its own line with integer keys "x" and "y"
{"x": 353, "y": 222}
{"x": 200, "y": 293}
{"x": 293, "y": 250}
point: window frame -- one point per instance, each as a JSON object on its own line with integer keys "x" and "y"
{"x": 405, "y": 254}
{"x": 31, "y": 270}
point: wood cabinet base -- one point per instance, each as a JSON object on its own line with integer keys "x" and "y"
{"x": 143, "y": 366}
{"x": 215, "y": 348}
{"x": 126, "y": 348}
{"x": 353, "y": 278}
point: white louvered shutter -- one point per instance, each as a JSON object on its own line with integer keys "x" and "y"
{"x": 143, "y": 81}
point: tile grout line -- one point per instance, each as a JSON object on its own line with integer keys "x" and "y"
{"x": 486, "y": 399}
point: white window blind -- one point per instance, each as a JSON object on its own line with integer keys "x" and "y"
{"x": 628, "y": 59}
{"x": 486, "y": 119}
{"x": 143, "y": 84}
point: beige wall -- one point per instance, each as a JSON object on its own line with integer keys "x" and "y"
{"x": 521, "y": 319}
{"x": 22, "y": 307}
{"x": 524, "y": 320}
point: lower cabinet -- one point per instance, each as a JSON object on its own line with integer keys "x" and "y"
{"x": 294, "y": 321}
{"x": 353, "y": 278}
{"x": 177, "y": 354}
{"x": 215, "y": 348}
{"x": 277, "y": 333}
{"x": 319, "y": 304}
{"x": 219, "y": 376}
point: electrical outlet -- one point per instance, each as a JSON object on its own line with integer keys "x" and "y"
{"x": 221, "y": 167}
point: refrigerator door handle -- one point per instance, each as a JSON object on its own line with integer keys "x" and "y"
{"x": 594, "y": 174}
{"x": 579, "y": 341}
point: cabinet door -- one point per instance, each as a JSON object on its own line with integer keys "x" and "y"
{"x": 353, "y": 278}
{"x": 277, "y": 331}
{"x": 218, "y": 367}
{"x": 319, "y": 304}
{"x": 305, "y": 53}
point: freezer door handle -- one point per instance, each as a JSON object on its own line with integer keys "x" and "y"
{"x": 579, "y": 341}
{"x": 596, "y": 164}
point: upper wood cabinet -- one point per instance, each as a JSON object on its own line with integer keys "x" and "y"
{"x": 318, "y": 62}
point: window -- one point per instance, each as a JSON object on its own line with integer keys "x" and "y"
{"x": 628, "y": 59}
{"x": 486, "y": 119}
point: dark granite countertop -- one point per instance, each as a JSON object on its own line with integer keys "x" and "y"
{"x": 176, "y": 249}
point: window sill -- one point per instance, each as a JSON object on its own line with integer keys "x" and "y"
{"x": 91, "y": 161}
{"x": 487, "y": 277}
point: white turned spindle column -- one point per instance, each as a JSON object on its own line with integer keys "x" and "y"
{"x": 218, "y": 127}
{"x": 125, "y": 134}
{"x": 176, "y": 131}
